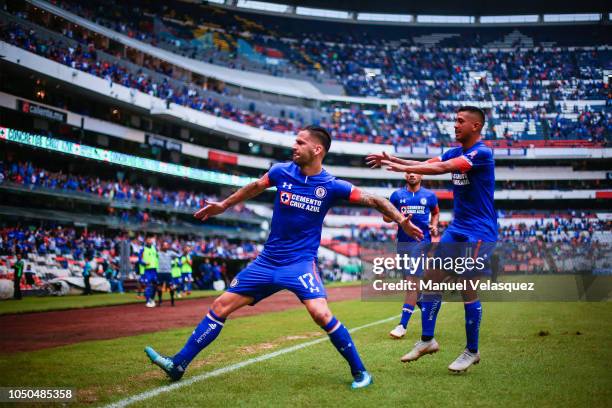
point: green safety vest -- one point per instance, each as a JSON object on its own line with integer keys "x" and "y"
{"x": 149, "y": 257}
{"x": 141, "y": 269}
{"x": 176, "y": 269}
{"x": 185, "y": 264}
{"x": 19, "y": 268}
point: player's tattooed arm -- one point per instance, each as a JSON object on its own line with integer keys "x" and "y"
{"x": 390, "y": 213}
{"x": 375, "y": 160}
{"x": 212, "y": 208}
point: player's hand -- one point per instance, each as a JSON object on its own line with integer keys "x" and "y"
{"x": 391, "y": 166}
{"x": 433, "y": 230}
{"x": 209, "y": 210}
{"x": 375, "y": 160}
{"x": 411, "y": 229}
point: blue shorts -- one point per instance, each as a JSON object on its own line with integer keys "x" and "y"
{"x": 263, "y": 278}
{"x": 177, "y": 282}
{"x": 457, "y": 245}
{"x": 414, "y": 250}
{"x": 164, "y": 277}
{"x": 149, "y": 277}
{"x": 187, "y": 277}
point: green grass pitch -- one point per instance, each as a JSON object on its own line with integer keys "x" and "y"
{"x": 533, "y": 354}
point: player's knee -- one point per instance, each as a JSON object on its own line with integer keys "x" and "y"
{"x": 321, "y": 315}
{"x": 220, "y": 307}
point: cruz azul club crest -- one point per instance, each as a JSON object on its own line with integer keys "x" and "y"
{"x": 320, "y": 192}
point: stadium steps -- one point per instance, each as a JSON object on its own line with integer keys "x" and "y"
{"x": 512, "y": 40}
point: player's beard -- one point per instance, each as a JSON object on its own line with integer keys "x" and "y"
{"x": 301, "y": 159}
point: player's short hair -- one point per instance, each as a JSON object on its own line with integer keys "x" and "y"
{"x": 473, "y": 109}
{"x": 320, "y": 133}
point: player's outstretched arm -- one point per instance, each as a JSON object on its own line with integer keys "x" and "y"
{"x": 247, "y": 192}
{"x": 431, "y": 168}
{"x": 389, "y": 212}
{"x": 375, "y": 160}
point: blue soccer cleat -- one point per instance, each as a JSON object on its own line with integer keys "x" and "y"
{"x": 362, "y": 380}
{"x": 165, "y": 363}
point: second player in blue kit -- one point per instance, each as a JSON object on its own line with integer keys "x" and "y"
{"x": 304, "y": 194}
{"x": 473, "y": 231}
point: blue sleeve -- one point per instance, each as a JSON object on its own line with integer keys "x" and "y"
{"x": 274, "y": 173}
{"x": 446, "y": 155}
{"x": 341, "y": 189}
{"x": 480, "y": 157}
{"x": 393, "y": 198}
{"x": 140, "y": 257}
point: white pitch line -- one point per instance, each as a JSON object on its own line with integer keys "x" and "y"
{"x": 233, "y": 367}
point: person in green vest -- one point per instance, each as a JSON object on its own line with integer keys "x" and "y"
{"x": 140, "y": 269}
{"x": 149, "y": 259}
{"x": 17, "y": 275}
{"x": 186, "y": 270}
{"x": 176, "y": 272}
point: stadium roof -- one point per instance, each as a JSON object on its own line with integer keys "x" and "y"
{"x": 453, "y": 7}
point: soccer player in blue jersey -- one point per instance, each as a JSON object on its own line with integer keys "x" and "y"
{"x": 421, "y": 204}
{"x": 474, "y": 227}
{"x": 305, "y": 192}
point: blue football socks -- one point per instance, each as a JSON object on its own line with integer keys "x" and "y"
{"x": 406, "y": 313}
{"x": 341, "y": 339}
{"x": 206, "y": 332}
{"x": 473, "y": 315}
{"x": 430, "y": 306}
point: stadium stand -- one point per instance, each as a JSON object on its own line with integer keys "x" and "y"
{"x": 569, "y": 100}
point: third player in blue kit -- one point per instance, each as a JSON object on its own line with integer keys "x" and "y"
{"x": 304, "y": 194}
{"x": 422, "y": 205}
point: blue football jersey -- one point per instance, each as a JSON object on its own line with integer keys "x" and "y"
{"x": 473, "y": 190}
{"x": 299, "y": 209}
{"x": 420, "y": 204}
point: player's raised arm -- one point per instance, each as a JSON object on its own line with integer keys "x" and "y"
{"x": 388, "y": 211}
{"x": 245, "y": 193}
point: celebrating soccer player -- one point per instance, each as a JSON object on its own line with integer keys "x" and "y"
{"x": 474, "y": 227}
{"x": 420, "y": 203}
{"x": 305, "y": 192}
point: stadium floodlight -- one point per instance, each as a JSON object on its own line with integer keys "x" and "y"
{"x": 446, "y": 19}
{"x": 263, "y": 6}
{"x": 528, "y": 18}
{"x": 391, "y": 18}
{"x": 550, "y": 18}
{"x": 315, "y": 12}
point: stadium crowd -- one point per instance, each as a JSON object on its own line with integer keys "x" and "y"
{"x": 83, "y": 244}
{"x": 27, "y": 174}
{"x": 412, "y": 123}
{"x": 345, "y": 56}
